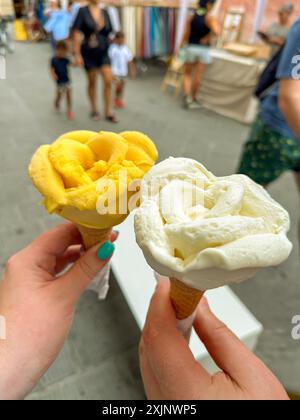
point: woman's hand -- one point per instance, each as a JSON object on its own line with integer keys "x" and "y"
{"x": 170, "y": 371}
{"x": 38, "y": 304}
{"x": 78, "y": 60}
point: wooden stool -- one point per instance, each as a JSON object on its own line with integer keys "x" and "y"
{"x": 173, "y": 78}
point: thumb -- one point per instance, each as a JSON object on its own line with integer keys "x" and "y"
{"x": 77, "y": 279}
{"x": 228, "y": 352}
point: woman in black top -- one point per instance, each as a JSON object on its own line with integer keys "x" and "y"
{"x": 92, "y": 51}
{"x": 196, "y": 42}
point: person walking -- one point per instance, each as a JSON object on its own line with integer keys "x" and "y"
{"x": 196, "y": 43}
{"x": 94, "y": 24}
{"x": 59, "y": 71}
{"x": 122, "y": 62}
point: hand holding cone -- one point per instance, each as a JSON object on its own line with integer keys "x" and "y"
{"x": 81, "y": 168}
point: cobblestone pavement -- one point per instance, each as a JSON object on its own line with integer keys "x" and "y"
{"x": 99, "y": 360}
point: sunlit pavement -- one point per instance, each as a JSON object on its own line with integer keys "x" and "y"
{"x": 99, "y": 360}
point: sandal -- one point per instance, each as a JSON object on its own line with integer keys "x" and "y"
{"x": 112, "y": 118}
{"x": 95, "y": 116}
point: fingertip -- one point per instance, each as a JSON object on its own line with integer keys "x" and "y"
{"x": 163, "y": 285}
{"x": 114, "y": 235}
{"x": 204, "y": 305}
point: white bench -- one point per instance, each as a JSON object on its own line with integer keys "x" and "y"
{"x": 137, "y": 282}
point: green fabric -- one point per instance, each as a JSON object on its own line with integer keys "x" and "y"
{"x": 267, "y": 154}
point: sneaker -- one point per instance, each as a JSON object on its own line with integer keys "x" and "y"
{"x": 95, "y": 116}
{"x": 187, "y": 101}
{"x": 70, "y": 115}
{"x": 196, "y": 104}
{"x": 112, "y": 118}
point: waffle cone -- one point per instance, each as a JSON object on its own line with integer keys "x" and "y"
{"x": 93, "y": 237}
{"x": 184, "y": 299}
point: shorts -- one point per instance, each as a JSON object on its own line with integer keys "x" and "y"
{"x": 268, "y": 154}
{"x": 63, "y": 87}
{"x": 95, "y": 59}
{"x": 119, "y": 79}
{"x": 197, "y": 54}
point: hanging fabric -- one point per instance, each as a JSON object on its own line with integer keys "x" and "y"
{"x": 114, "y": 18}
{"x": 150, "y": 31}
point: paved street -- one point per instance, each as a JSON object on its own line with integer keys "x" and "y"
{"x": 100, "y": 357}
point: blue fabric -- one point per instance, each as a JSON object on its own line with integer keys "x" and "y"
{"x": 158, "y": 32}
{"x": 148, "y": 32}
{"x": 40, "y": 12}
{"x": 270, "y": 111}
{"x": 59, "y": 25}
{"x": 153, "y": 30}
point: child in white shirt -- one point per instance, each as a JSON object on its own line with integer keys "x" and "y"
{"x": 121, "y": 62}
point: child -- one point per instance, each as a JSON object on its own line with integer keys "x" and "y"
{"x": 60, "y": 74}
{"x": 121, "y": 61}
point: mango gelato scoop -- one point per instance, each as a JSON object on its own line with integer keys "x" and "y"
{"x": 80, "y": 167}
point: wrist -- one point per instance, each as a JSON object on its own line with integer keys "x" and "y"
{"x": 20, "y": 372}
{"x": 11, "y": 376}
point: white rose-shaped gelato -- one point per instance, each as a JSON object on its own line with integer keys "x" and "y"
{"x": 207, "y": 231}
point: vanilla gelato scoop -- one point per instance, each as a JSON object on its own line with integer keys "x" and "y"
{"x": 207, "y": 231}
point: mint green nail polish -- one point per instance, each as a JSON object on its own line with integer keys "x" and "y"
{"x": 106, "y": 250}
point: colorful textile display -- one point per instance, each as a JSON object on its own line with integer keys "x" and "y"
{"x": 150, "y": 31}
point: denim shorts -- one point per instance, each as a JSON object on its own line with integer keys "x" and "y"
{"x": 197, "y": 54}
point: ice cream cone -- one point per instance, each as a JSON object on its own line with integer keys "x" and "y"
{"x": 93, "y": 237}
{"x": 184, "y": 299}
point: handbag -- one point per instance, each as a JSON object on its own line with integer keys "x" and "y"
{"x": 268, "y": 77}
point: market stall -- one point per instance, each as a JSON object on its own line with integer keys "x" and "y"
{"x": 228, "y": 85}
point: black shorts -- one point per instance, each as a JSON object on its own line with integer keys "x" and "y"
{"x": 95, "y": 59}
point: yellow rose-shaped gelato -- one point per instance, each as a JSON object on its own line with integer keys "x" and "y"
{"x": 72, "y": 173}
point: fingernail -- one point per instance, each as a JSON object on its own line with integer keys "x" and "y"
{"x": 105, "y": 251}
{"x": 204, "y": 303}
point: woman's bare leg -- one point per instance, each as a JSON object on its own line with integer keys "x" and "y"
{"x": 187, "y": 79}
{"x": 198, "y": 76}
{"x": 92, "y": 89}
{"x": 107, "y": 77}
